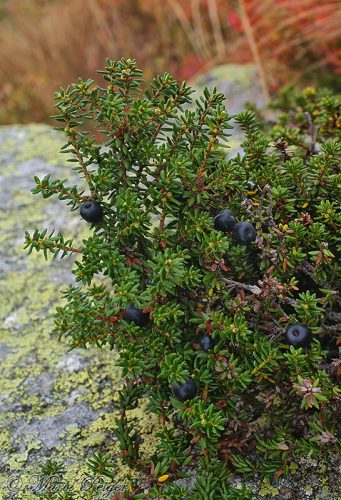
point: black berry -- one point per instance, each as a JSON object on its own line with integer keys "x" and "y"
{"x": 185, "y": 391}
{"x": 149, "y": 279}
{"x": 136, "y": 316}
{"x": 298, "y": 335}
{"x": 206, "y": 342}
{"x": 91, "y": 211}
{"x": 224, "y": 220}
{"x": 244, "y": 233}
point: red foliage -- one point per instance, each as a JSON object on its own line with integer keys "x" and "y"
{"x": 234, "y": 21}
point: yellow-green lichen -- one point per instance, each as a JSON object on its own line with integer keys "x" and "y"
{"x": 5, "y": 439}
{"x": 42, "y": 384}
{"x": 146, "y": 424}
{"x": 40, "y": 142}
{"x": 18, "y": 460}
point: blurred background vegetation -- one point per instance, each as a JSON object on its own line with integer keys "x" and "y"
{"x": 48, "y": 43}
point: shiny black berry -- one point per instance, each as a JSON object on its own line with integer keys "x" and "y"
{"x": 298, "y": 335}
{"x": 91, "y": 211}
{"x": 206, "y": 342}
{"x": 244, "y": 233}
{"x": 224, "y": 221}
{"x": 136, "y": 316}
{"x": 185, "y": 391}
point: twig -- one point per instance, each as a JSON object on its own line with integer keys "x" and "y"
{"x": 266, "y": 192}
{"x": 235, "y": 284}
{"x": 271, "y": 221}
{"x": 332, "y": 328}
{"x": 313, "y": 133}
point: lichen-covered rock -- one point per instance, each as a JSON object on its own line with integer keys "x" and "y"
{"x": 239, "y": 83}
{"x": 53, "y": 403}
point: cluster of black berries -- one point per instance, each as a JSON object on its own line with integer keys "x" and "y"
{"x": 243, "y": 233}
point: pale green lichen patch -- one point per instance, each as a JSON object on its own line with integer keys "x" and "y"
{"x": 238, "y": 77}
{"x": 18, "y": 460}
{"x": 5, "y": 439}
{"x": 30, "y": 142}
{"x": 239, "y": 84}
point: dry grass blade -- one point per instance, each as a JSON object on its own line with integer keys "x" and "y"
{"x": 216, "y": 27}
{"x": 185, "y": 24}
{"x": 200, "y": 29}
{"x": 248, "y": 30}
{"x": 73, "y": 39}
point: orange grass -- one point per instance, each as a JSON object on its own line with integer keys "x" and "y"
{"x": 48, "y": 43}
{"x": 44, "y": 48}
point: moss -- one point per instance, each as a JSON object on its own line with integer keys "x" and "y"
{"x": 267, "y": 489}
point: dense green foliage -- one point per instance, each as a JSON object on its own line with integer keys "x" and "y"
{"x": 161, "y": 179}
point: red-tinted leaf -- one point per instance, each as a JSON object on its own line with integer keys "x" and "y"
{"x": 136, "y": 261}
{"x": 224, "y": 267}
{"x": 279, "y": 473}
{"x": 310, "y": 399}
{"x": 319, "y": 258}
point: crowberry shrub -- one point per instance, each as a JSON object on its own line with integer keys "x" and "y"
{"x": 214, "y": 269}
